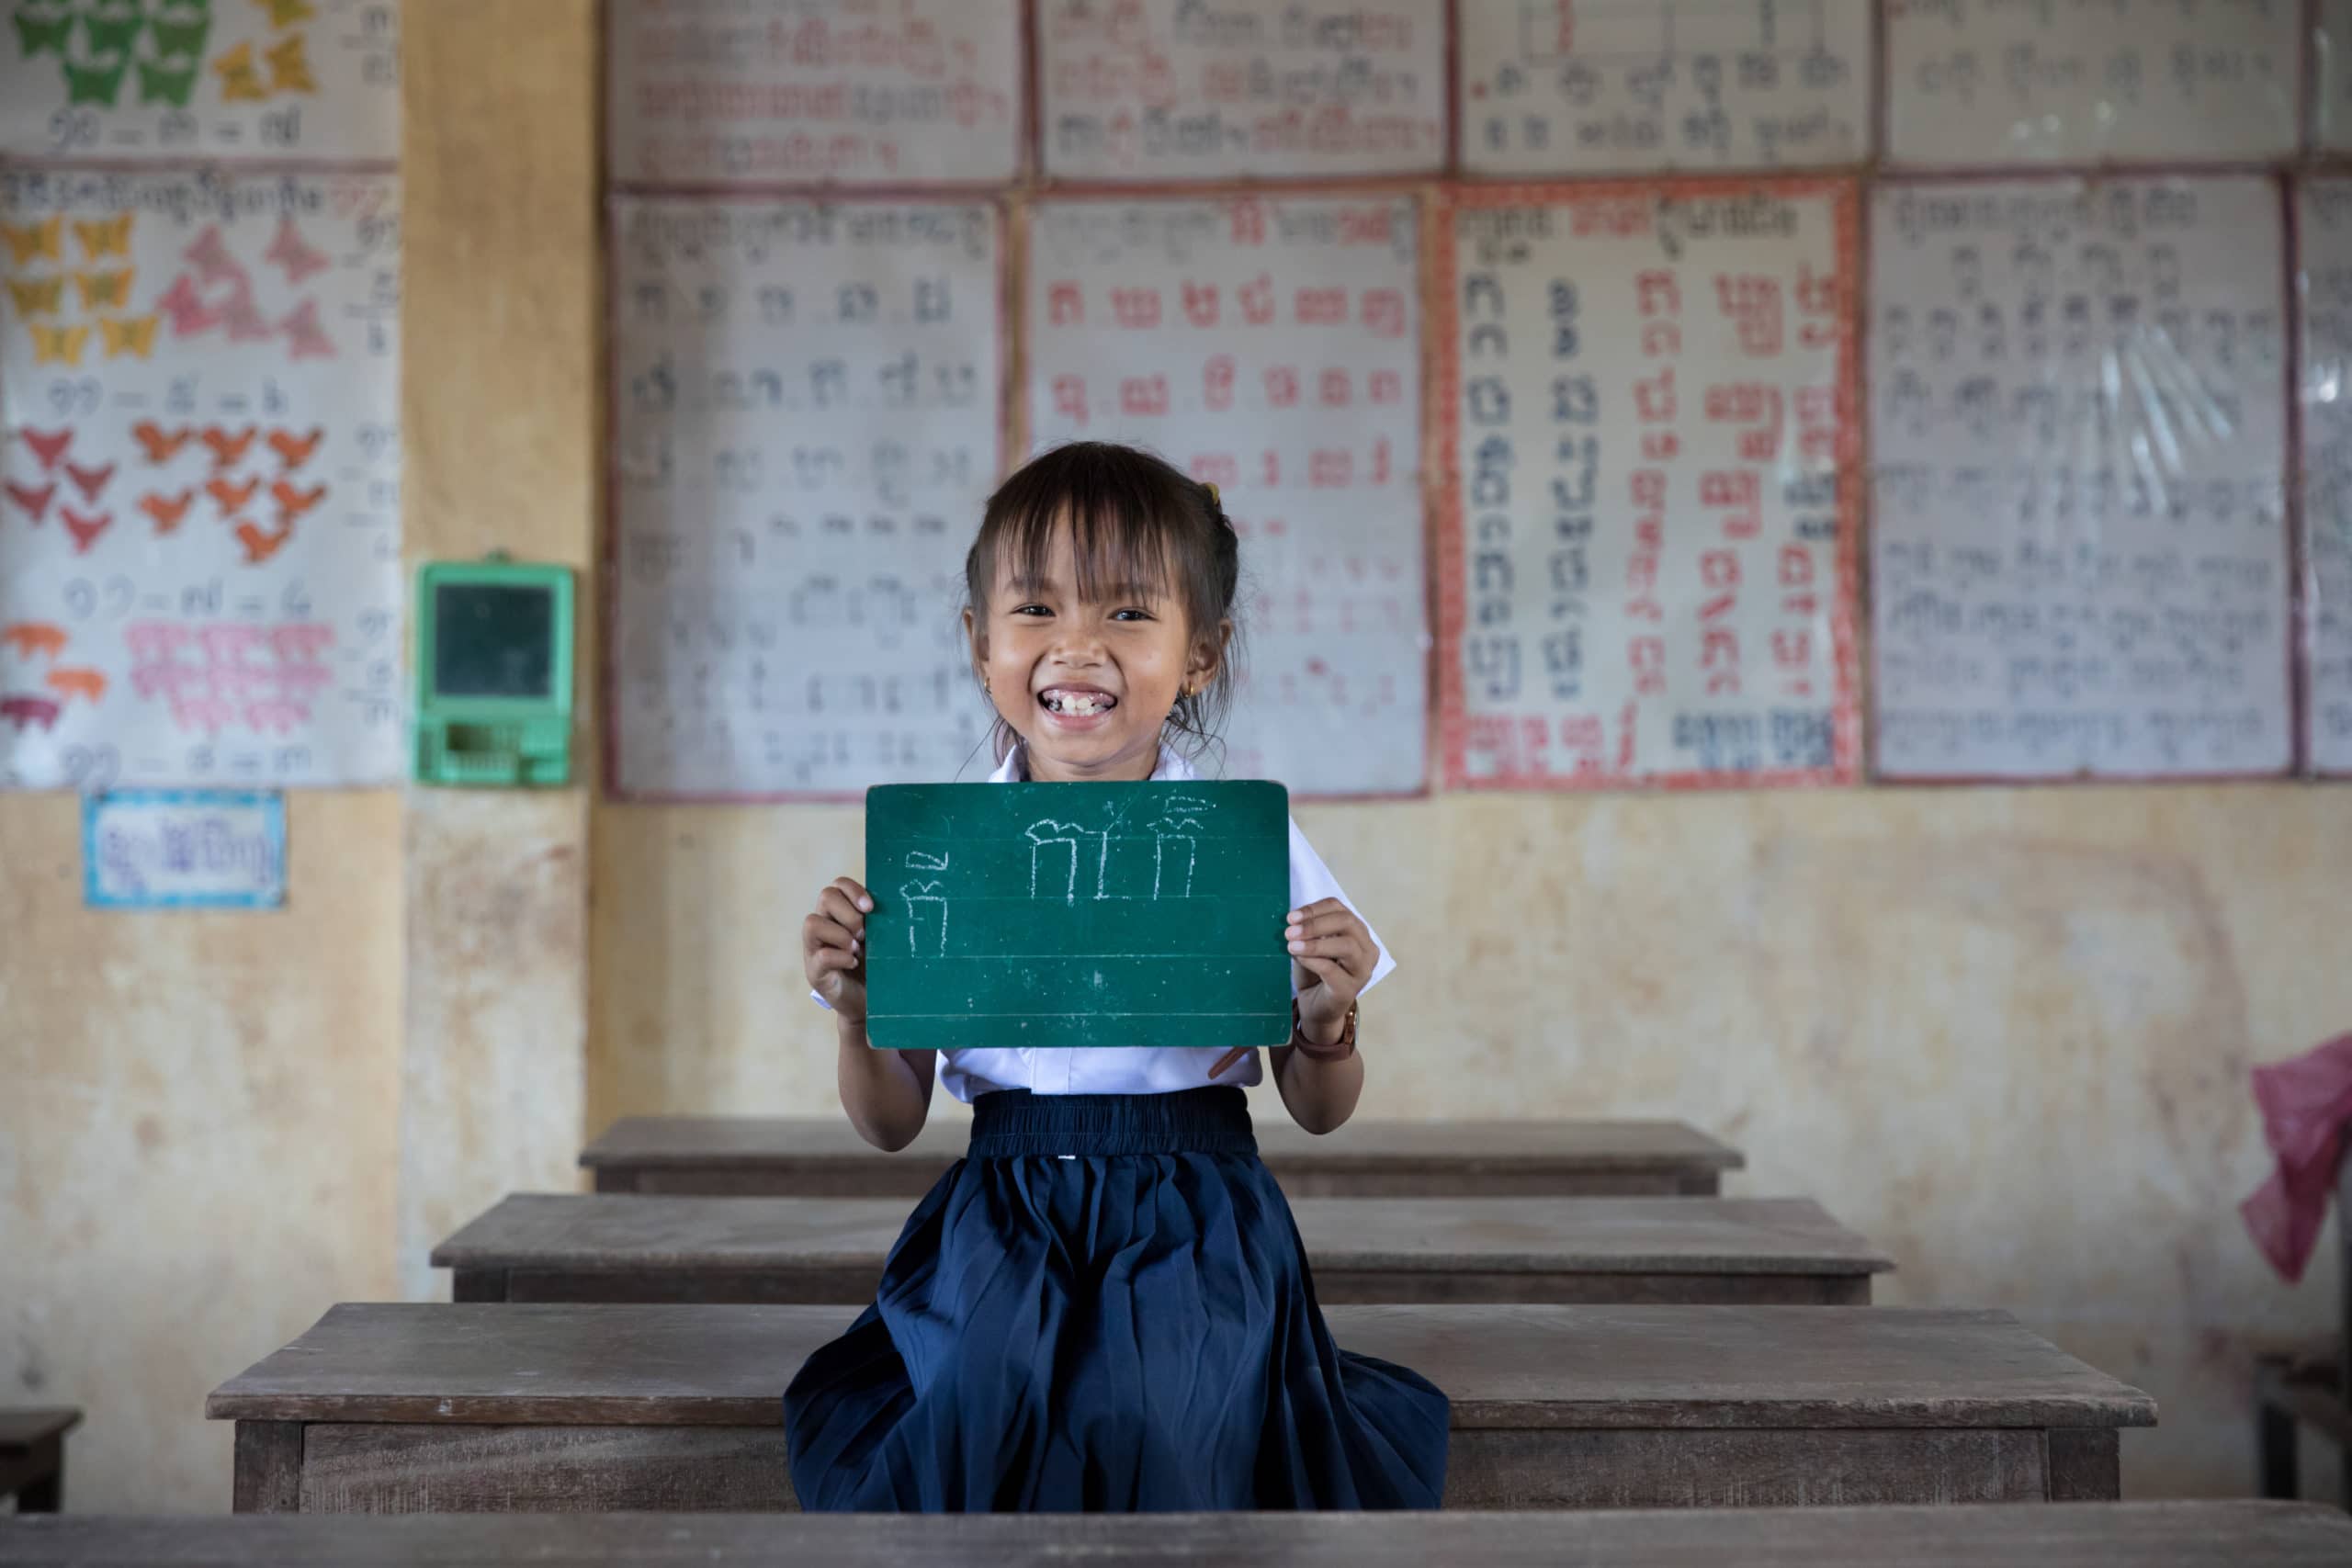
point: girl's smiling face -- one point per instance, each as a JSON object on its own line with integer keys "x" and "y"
{"x": 1086, "y": 669}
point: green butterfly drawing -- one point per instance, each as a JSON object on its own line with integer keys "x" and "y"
{"x": 112, "y": 24}
{"x": 182, "y": 32}
{"x": 167, "y": 81}
{"x": 96, "y": 81}
{"x": 38, "y": 30}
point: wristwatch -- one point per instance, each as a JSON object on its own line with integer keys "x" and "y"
{"x": 1339, "y": 1050}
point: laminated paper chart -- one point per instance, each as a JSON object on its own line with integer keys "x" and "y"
{"x": 900, "y": 92}
{"x": 1177, "y": 89}
{"x": 1556, "y": 86}
{"x": 806, "y": 403}
{"x": 2080, "y": 547}
{"x": 199, "y": 546}
{"x": 2324, "y": 228}
{"x": 201, "y": 80}
{"x": 1992, "y": 81}
{"x": 1270, "y": 347}
{"x": 1647, "y": 557}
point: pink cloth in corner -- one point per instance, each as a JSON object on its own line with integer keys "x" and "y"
{"x": 2306, "y": 1104}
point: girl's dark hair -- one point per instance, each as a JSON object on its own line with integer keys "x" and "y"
{"x": 1133, "y": 519}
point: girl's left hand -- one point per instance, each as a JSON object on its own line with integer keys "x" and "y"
{"x": 1333, "y": 952}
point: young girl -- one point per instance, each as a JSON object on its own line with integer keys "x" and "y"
{"x": 1105, "y": 1305}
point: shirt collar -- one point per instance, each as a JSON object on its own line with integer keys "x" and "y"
{"x": 1173, "y": 767}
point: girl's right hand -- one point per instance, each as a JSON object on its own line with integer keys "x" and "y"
{"x": 832, "y": 948}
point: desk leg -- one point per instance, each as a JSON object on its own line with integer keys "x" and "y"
{"x": 478, "y": 1285}
{"x": 2084, "y": 1465}
{"x": 46, "y": 1494}
{"x": 269, "y": 1467}
{"x": 2273, "y": 1446}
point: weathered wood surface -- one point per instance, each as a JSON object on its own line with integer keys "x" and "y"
{"x": 635, "y": 1248}
{"x": 662, "y": 1407}
{"x": 744, "y": 1157}
{"x": 2112, "y": 1535}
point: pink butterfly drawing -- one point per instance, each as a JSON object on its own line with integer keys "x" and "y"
{"x": 296, "y": 254}
{"x": 213, "y": 261}
{"x": 190, "y": 316}
{"x": 309, "y": 340}
{"x": 246, "y": 323}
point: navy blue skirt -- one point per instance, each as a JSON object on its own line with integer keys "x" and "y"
{"x": 1104, "y": 1307}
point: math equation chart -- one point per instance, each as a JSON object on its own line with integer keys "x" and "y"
{"x": 806, "y": 397}
{"x": 199, "y": 528}
{"x": 1647, "y": 563}
{"x": 1270, "y": 347}
{"x": 810, "y": 92}
{"x": 1976, "y": 83}
{"x": 1596, "y": 86}
{"x": 1183, "y": 89}
{"x": 2324, "y": 267}
{"x": 2078, "y": 438}
{"x": 201, "y": 80}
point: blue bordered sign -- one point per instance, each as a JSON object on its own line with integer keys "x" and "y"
{"x": 184, "y": 849}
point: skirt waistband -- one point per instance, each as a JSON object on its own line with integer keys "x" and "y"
{"x": 1013, "y": 1123}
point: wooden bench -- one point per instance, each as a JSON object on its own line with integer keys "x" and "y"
{"x": 631, "y": 1248}
{"x": 32, "y": 1457}
{"x": 2310, "y": 1386}
{"x": 479, "y": 1407}
{"x": 2127, "y": 1535}
{"x": 738, "y": 1157}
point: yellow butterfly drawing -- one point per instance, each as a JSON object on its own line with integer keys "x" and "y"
{"x": 104, "y": 290}
{"x": 59, "y": 345}
{"x": 33, "y": 241}
{"x": 290, "y": 66}
{"x": 104, "y": 236}
{"x": 240, "y": 81}
{"x": 37, "y": 296}
{"x": 133, "y": 335}
{"x": 286, "y": 13}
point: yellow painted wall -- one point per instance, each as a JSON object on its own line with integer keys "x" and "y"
{"x": 2003, "y": 1032}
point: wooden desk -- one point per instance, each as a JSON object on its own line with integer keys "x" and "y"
{"x": 2086, "y": 1535}
{"x": 631, "y": 1248}
{"x": 740, "y": 1156}
{"x": 479, "y": 1407}
{"x": 2310, "y": 1387}
{"x": 32, "y": 1457}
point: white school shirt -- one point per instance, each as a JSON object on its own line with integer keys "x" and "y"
{"x": 1126, "y": 1069}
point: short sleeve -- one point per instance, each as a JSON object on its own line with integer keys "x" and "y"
{"x": 1310, "y": 880}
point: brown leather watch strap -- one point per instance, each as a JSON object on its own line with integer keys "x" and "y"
{"x": 1339, "y": 1050}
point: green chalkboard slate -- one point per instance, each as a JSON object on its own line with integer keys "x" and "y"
{"x": 1021, "y": 914}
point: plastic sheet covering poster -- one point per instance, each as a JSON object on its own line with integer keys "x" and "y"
{"x": 1591, "y": 86}
{"x": 209, "y": 80}
{"x": 2332, "y": 75}
{"x": 2323, "y": 229}
{"x": 2080, "y": 562}
{"x": 1270, "y": 347}
{"x": 199, "y": 528}
{"x": 806, "y": 398}
{"x": 1647, "y": 566}
{"x": 1976, "y": 83}
{"x": 1180, "y": 89}
{"x": 800, "y": 92}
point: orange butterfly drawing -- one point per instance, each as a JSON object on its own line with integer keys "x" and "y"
{"x": 286, "y": 13}
{"x": 37, "y": 296}
{"x": 104, "y": 290}
{"x": 161, "y": 444}
{"x": 90, "y": 481}
{"x": 240, "y": 81}
{"x": 168, "y": 511}
{"x": 90, "y": 685}
{"x": 29, "y": 637}
{"x": 232, "y": 498}
{"x": 31, "y": 243}
{"x": 133, "y": 335}
{"x": 85, "y": 529}
{"x": 58, "y": 346}
{"x": 292, "y": 503}
{"x": 294, "y": 450}
{"x": 260, "y": 546}
{"x": 104, "y": 236}
{"x": 289, "y": 66}
{"x": 228, "y": 450}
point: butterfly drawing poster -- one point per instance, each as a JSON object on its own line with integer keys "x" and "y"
{"x": 216, "y": 80}
{"x": 200, "y": 480}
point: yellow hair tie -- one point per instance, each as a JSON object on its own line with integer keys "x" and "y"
{"x": 1213, "y": 499}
